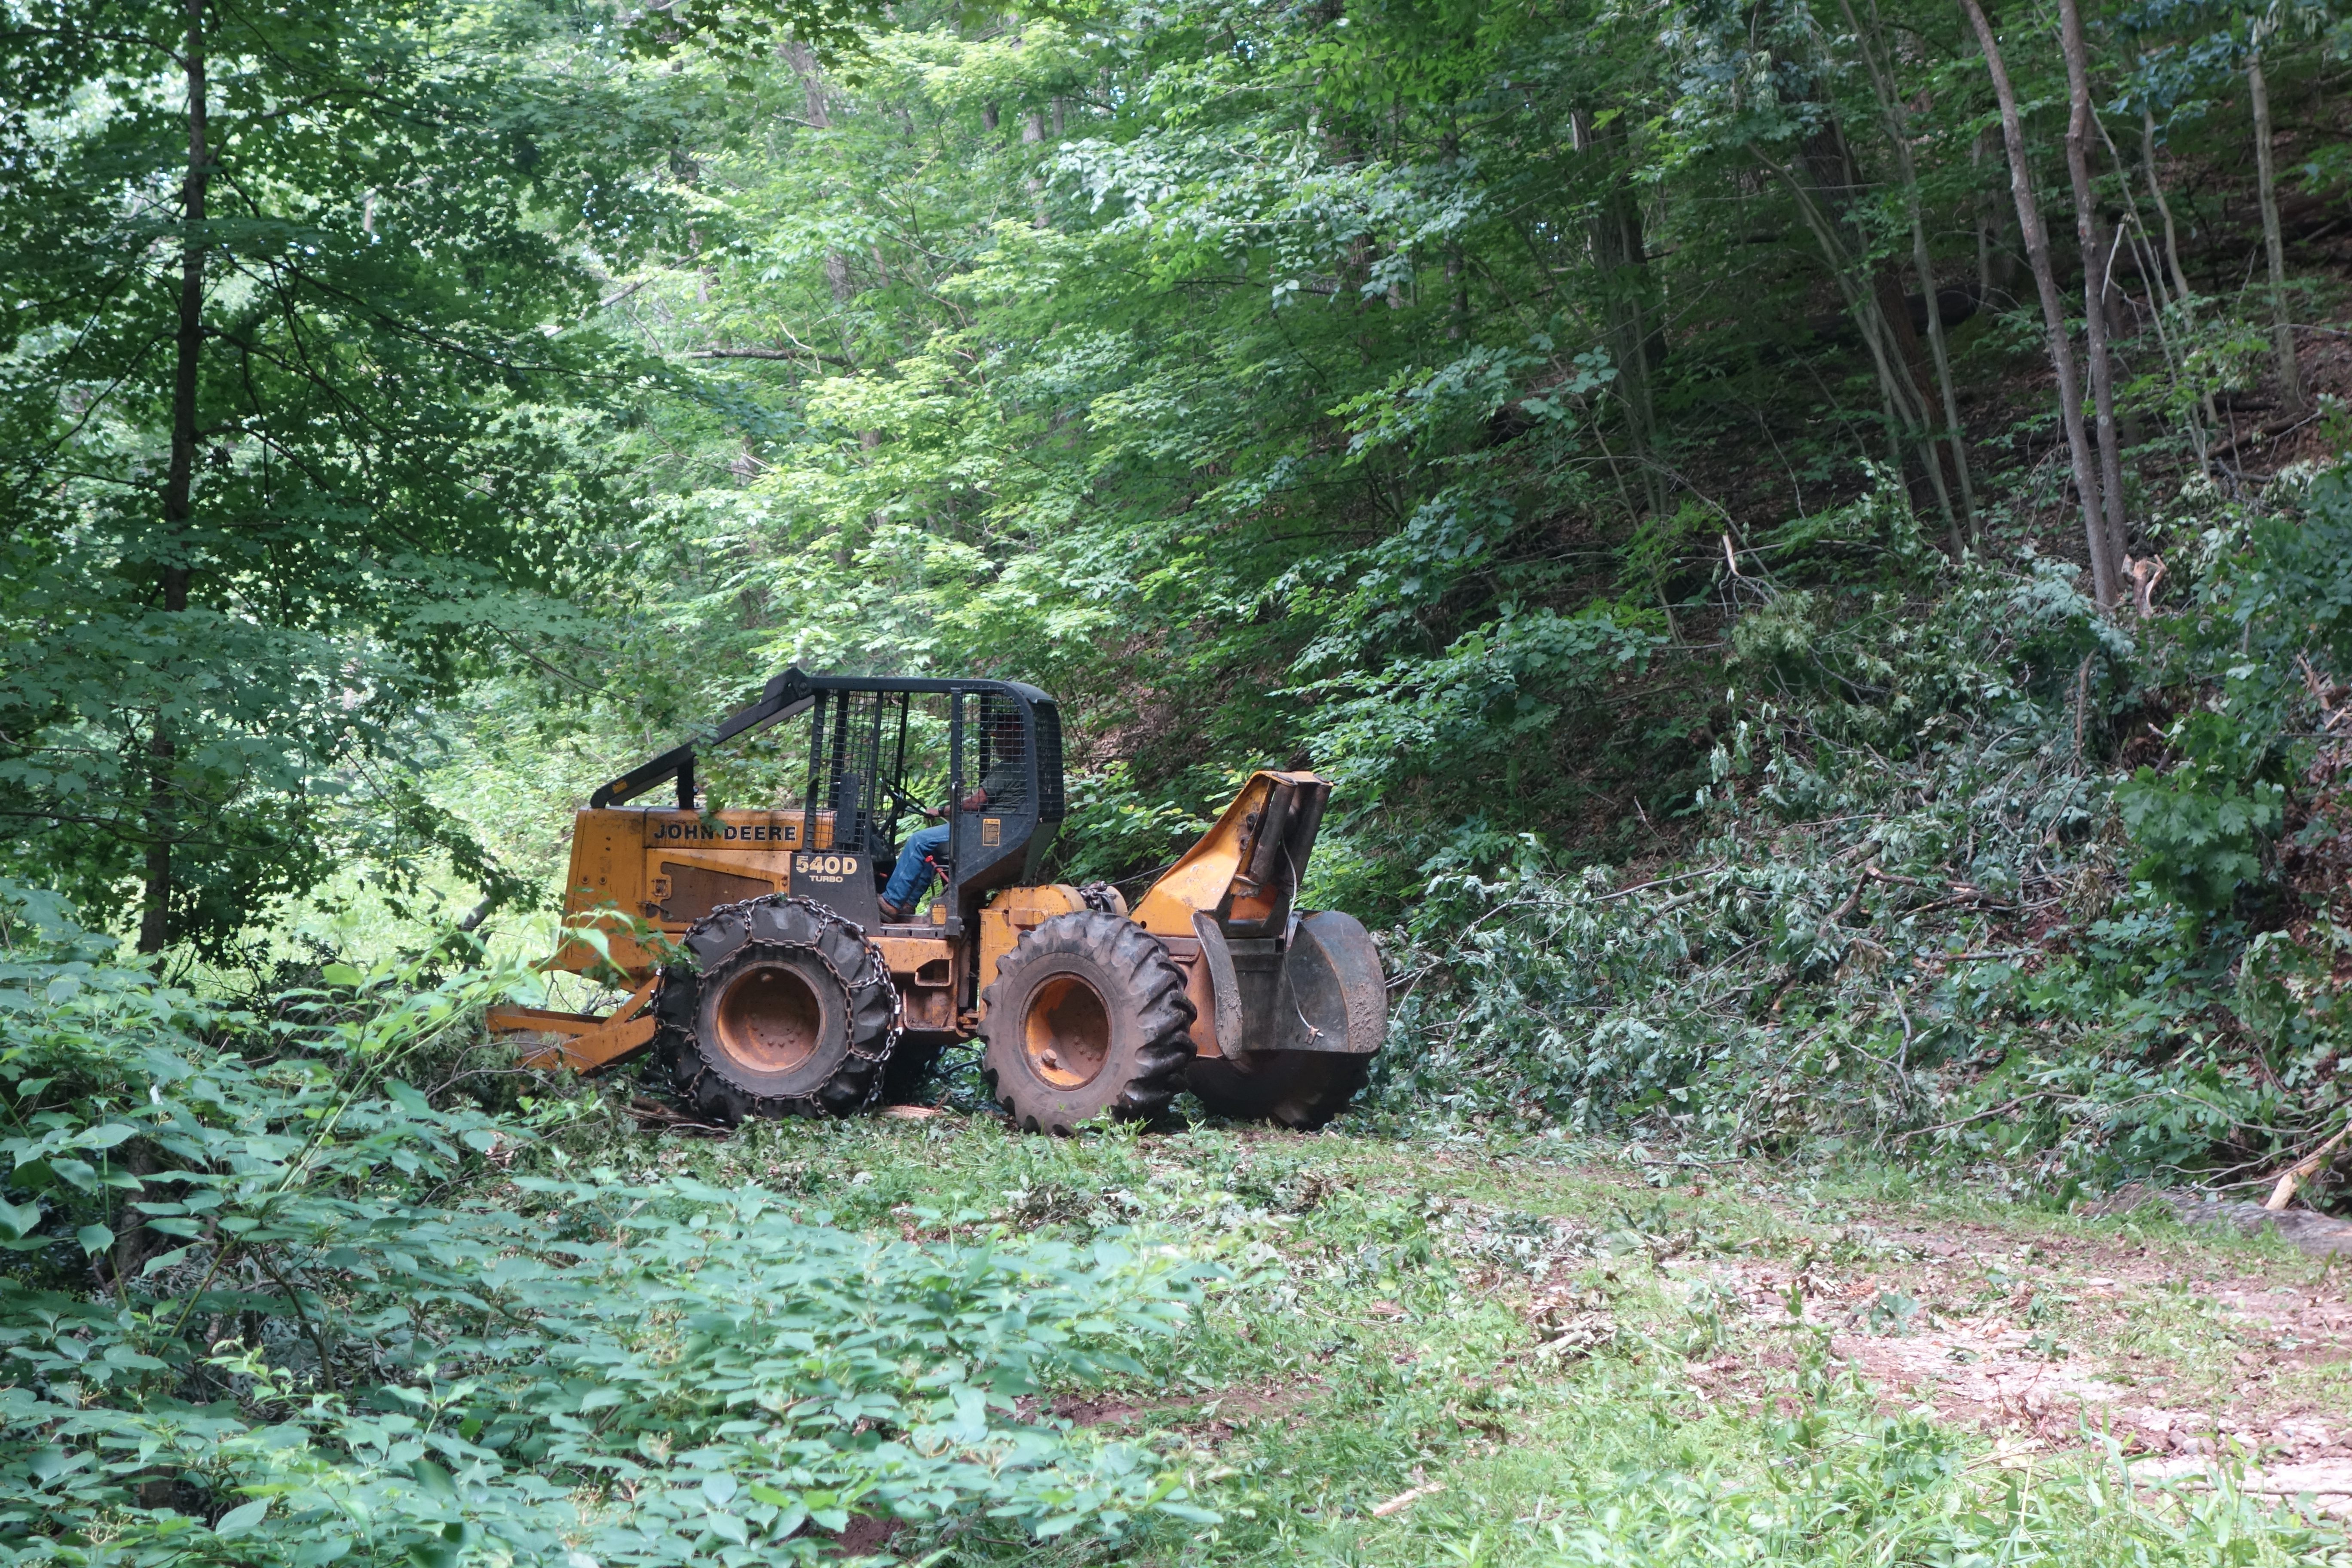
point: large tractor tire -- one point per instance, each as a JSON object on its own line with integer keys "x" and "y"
{"x": 1298, "y": 1090}
{"x": 787, "y": 1011}
{"x": 1087, "y": 1016}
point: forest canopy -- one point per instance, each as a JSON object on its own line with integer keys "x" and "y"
{"x": 1411, "y": 390}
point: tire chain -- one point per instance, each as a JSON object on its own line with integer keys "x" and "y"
{"x": 877, "y": 973}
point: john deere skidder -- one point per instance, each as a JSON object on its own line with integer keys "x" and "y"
{"x": 787, "y": 992}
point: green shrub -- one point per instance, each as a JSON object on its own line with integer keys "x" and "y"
{"x": 2201, "y": 840}
{"x": 2274, "y": 620}
{"x": 265, "y": 1302}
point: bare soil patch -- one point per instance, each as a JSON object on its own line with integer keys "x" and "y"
{"x": 2186, "y": 1373}
{"x": 1214, "y": 1415}
{"x": 2193, "y": 1353}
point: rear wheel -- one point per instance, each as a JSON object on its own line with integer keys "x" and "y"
{"x": 790, "y": 1013}
{"x": 1298, "y": 1090}
{"x": 1087, "y": 1018}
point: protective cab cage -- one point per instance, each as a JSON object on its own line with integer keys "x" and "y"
{"x": 857, "y": 772}
{"x": 809, "y": 1002}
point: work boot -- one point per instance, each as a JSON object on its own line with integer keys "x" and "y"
{"x": 894, "y": 916}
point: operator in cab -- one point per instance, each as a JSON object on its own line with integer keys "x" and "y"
{"x": 1003, "y": 783}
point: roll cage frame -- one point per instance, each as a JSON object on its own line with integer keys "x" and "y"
{"x": 997, "y": 844}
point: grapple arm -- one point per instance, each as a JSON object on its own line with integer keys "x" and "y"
{"x": 1243, "y": 873}
{"x": 784, "y": 696}
{"x": 1277, "y": 979}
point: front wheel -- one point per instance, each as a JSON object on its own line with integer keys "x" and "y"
{"x": 1087, "y": 1018}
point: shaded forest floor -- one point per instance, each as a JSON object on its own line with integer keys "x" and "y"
{"x": 1485, "y": 1350}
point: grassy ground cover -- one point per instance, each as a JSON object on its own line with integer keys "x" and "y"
{"x": 1534, "y": 1351}
{"x": 333, "y": 1283}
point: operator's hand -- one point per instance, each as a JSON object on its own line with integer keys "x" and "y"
{"x": 933, "y": 812}
{"x": 975, "y": 800}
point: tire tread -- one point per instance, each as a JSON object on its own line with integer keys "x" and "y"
{"x": 1154, "y": 993}
{"x": 696, "y": 1077}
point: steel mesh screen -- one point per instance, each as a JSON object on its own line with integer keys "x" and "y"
{"x": 1049, "y": 762}
{"x": 1003, "y": 763}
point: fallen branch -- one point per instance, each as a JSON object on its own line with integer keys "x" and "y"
{"x": 2302, "y": 1170}
{"x": 1405, "y": 1500}
{"x": 1965, "y": 1120}
{"x": 770, "y": 354}
{"x": 1868, "y": 845}
{"x": 652, "y": 1116}
{"x": 1678, "y": 901}
{"x": 1852, "y": 907}
{"x": 1970, "y": 897}
{"x": 1661, "y": 882}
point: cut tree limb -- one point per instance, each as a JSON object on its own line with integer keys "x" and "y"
{"x": 1405, "y": 1500}
{"x": 2002, "y": 1109}
{"x": 771, "y": 354}
{"x": 2302, "y": 1170}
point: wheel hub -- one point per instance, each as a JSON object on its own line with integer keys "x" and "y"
{"x": 1067, "y": 1032}
{"x": 768, "y": 1018}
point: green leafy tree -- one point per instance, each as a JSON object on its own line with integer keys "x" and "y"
{"x": 300, "y": 418}
{"x": 1239, "y": 377}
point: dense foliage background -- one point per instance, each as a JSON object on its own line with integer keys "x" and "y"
{"x": 1811, "y": 537}
{"x": 1614, "y": 444}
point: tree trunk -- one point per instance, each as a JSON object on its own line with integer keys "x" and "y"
{"x": 1900, "y": 400}
{"x": 1905, "y": 351}
{"x": 2163, "y": 208}
{"x": 2054, "y": 311}
{"x": 1620, "y": 261}
{"x": 2109, "y": 246}
{"x": 1996, "y": 268}
{"x": 2133, "y": 231}
{"x": 2151, "y": 269}
{"x": 818, "y": 113}
{"x": 2183, "y": 295}
{"x": 1033, "y": 134}
{"x": 1890, "y": 109}
{"x": 2077, "y": 51}
{"x": 179, "y": 484}
{"x": 1457, "y": 275}
{"x": 1874, "y": 299}
{"x": 1958, "y": 439}
{"x": 1861, "y": 302}
{"x": 2266, "y": 187}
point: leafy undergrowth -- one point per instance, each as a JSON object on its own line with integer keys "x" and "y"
{"x": 1539, "y": 1346}
{"x": 1982, "y": 878}
{"x": 265, "y": 1302}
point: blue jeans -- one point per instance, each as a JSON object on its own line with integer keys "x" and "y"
{"x": 912, "y": 878}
